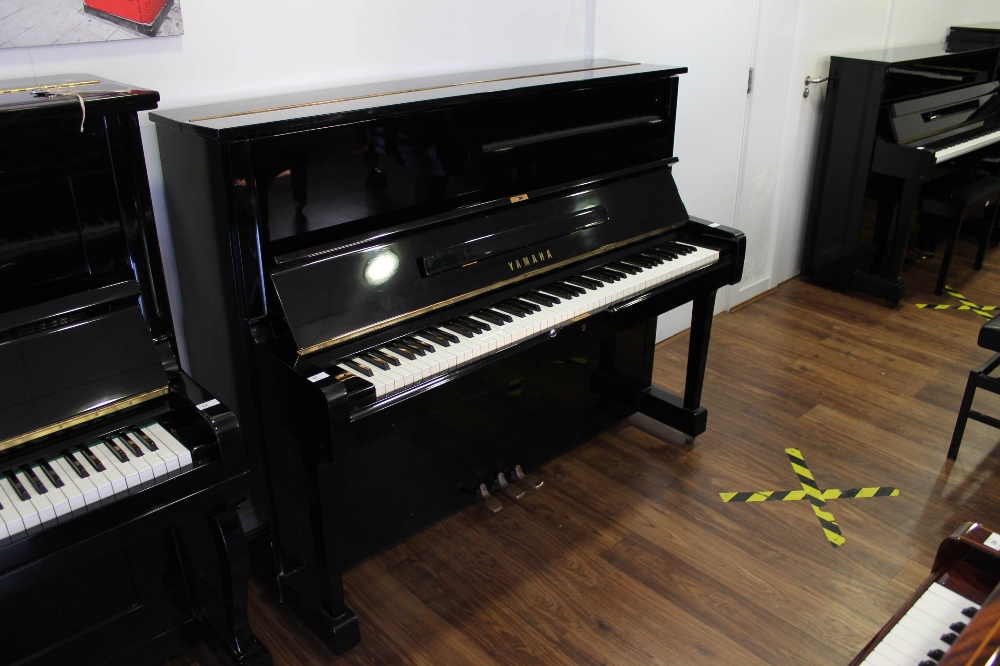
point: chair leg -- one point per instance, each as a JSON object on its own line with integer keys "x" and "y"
{"x": 949, "y": 248}
{"x": 984, "y": 239}
{"x": 963, "y": 414}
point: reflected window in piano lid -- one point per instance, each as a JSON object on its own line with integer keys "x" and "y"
{"x": 381, "y": 267}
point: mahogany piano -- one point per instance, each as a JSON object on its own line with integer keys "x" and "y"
{"x": 953, "y": 618}
{"x": 892, "y": 120}
{"x": 120, "y": 476}
{"x": 415, "y": 293}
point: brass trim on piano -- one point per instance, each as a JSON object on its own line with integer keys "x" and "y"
{"x": 385, "y": 323}
{"x": 50, "y": 86}
{"x": 402, "y": 92}
{"x": 89, "y": 415}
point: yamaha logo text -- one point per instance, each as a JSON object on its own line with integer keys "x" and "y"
{"x": 530, "y": 260}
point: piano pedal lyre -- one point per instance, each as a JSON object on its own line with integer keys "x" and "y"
{"x": 530, "y": 481}
{"x": 513, "y": 492}
{"x": 490, "y": 503}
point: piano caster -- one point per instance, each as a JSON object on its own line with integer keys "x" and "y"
{"x": 688, "y": 439}
{"x": 510, "y": 491}
{"x": 490, "y": 503}
{"x": 529, "y": 481}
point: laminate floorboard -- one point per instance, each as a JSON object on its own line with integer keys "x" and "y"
{"x": 627, "y": 555}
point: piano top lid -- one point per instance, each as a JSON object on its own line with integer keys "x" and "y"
{"x": 984, "y": 27}
{"x": 265, "y": 115}
{"x": 100, "y": 96}
{"x": 906, "y": 54}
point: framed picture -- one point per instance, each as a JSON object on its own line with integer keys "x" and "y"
{"x": 45, "y": 22}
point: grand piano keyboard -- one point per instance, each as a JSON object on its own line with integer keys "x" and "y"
{"x": 51, "y": 491}
{"x": 414, "y": 358}
{"x": 924, "y": 634}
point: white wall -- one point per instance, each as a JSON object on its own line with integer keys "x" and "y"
{"x": 235, "y": 49}
{"x": 714, "y": 40}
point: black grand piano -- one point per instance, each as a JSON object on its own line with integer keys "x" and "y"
{"x": 416, "y": 293}
{"x": 891, "y": 122}
{"x": 120, "y": 476}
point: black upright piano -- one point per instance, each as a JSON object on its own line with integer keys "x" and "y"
{"x": 415, "y": 293}
{"x": 120, "y": 476}
{"x": 892, "y": 121}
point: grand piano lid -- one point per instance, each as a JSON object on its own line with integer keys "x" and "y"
{"x": 265, "y": 115}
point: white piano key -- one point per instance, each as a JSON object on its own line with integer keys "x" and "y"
{"x": 155, "y": 460}
{"x": 77, "y": 503}
{"x": 89, "y": 496}
{"x": 171, "y": 442}
{"x": 131, "y": 474}
{"x": 29, "y": 513}
{"x": 46, "y": 512}
{"x": 11, "y": 519}
{"x": 966, "y": 147}
{"x": 140, "y": 463}
{"x": 55, "y": 496}
{"x": 119, "y": 485}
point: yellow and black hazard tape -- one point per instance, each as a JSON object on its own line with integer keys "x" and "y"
{"x": 815, "y": 497}
{"x": 796, "y": 495}
{"x": 966, "y": 304}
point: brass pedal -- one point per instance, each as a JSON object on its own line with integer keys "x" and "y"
{"x": 513, "y": 492}
{"x": 530, "y": 481}
{"x": 490, "y": 503}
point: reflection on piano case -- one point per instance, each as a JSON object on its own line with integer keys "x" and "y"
{"x": 119, "y": 475}
{"x": 409, "y": 290}
{"x": 953, "y": 618}
{"x": 892, "y": 121}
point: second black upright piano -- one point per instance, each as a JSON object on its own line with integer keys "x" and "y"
{"x": 416, "y": 293}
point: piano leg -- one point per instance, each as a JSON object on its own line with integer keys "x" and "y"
{"x": 218, "y": 578}
{"x": 907, "y": 207}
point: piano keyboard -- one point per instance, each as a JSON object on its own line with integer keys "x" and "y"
{"x": 53, "y": 491}
{"x": 416, "y": 357}
{"x": 964, "y": 147}
{"x": 925, "y": 632}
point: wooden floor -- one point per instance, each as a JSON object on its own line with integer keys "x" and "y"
{"x": 627, "y": 555}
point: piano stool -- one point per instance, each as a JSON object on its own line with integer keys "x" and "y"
{"x": 954, "y": 197}
{"x": 989, "y": 338}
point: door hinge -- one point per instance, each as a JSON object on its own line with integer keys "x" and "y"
{"x": 750, "y": 81}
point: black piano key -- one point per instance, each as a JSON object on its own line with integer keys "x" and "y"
{"x": 969, "y": 612}
{"x": 488, "y": 316}
{"x": 94, "y": 461}
{"x": 132, "y": 446}
{"x": 35, "y": 482}
{"x": 663, "y": 254}
{"x": 116, "y": 451}
{"x": 474, "y": 324}
{"x": 444, "y": 334}
{"x": 458, "y": 328}
{"x": 679, "y": 247}
{"x": 357, "y": 367}
{"x": 416, "y": 349}
{"x": 371, "y": 360}
{"x": 587, "y": 283}
{"x": 936, "y": 654}
{"x": 556, "y": 290}
{"x": 541, "y": 299}
{"x": 402, "y": 350}
{"x": 605, "y": 275}
{"x": 572, "y": 287}
{"x": 527, "y": 306}
{"x": 18, "y": 487}
{"x": 652, "y": 257}
{"x": 75, "y": 463}
{"x": 146, "y": 440}
{"x": 949, "y": 638}
{"x": 417, "y": 344}
{"x": 54, "y": 477}
{"x": 624, "y": 268}
{"x": 500, "y": 317}
{"x": 391, "y": 360}
{"x": 957, "y": 627}
{"x": 511, "y": 310}
{"x": 638, "y": 260}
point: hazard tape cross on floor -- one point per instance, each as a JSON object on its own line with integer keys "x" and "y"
{"x": 965, "y": 304}
{"x": 816, "y": 496}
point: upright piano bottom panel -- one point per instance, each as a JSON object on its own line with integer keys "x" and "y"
{"x": 421, "y": 460}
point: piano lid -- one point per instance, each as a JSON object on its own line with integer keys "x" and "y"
{"x": 904, "y": 54}
{"x": 46, "y": 97}
{"x": 266, "y": 115}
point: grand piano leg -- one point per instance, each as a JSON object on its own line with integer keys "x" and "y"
{"x": 686, "y": 414}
